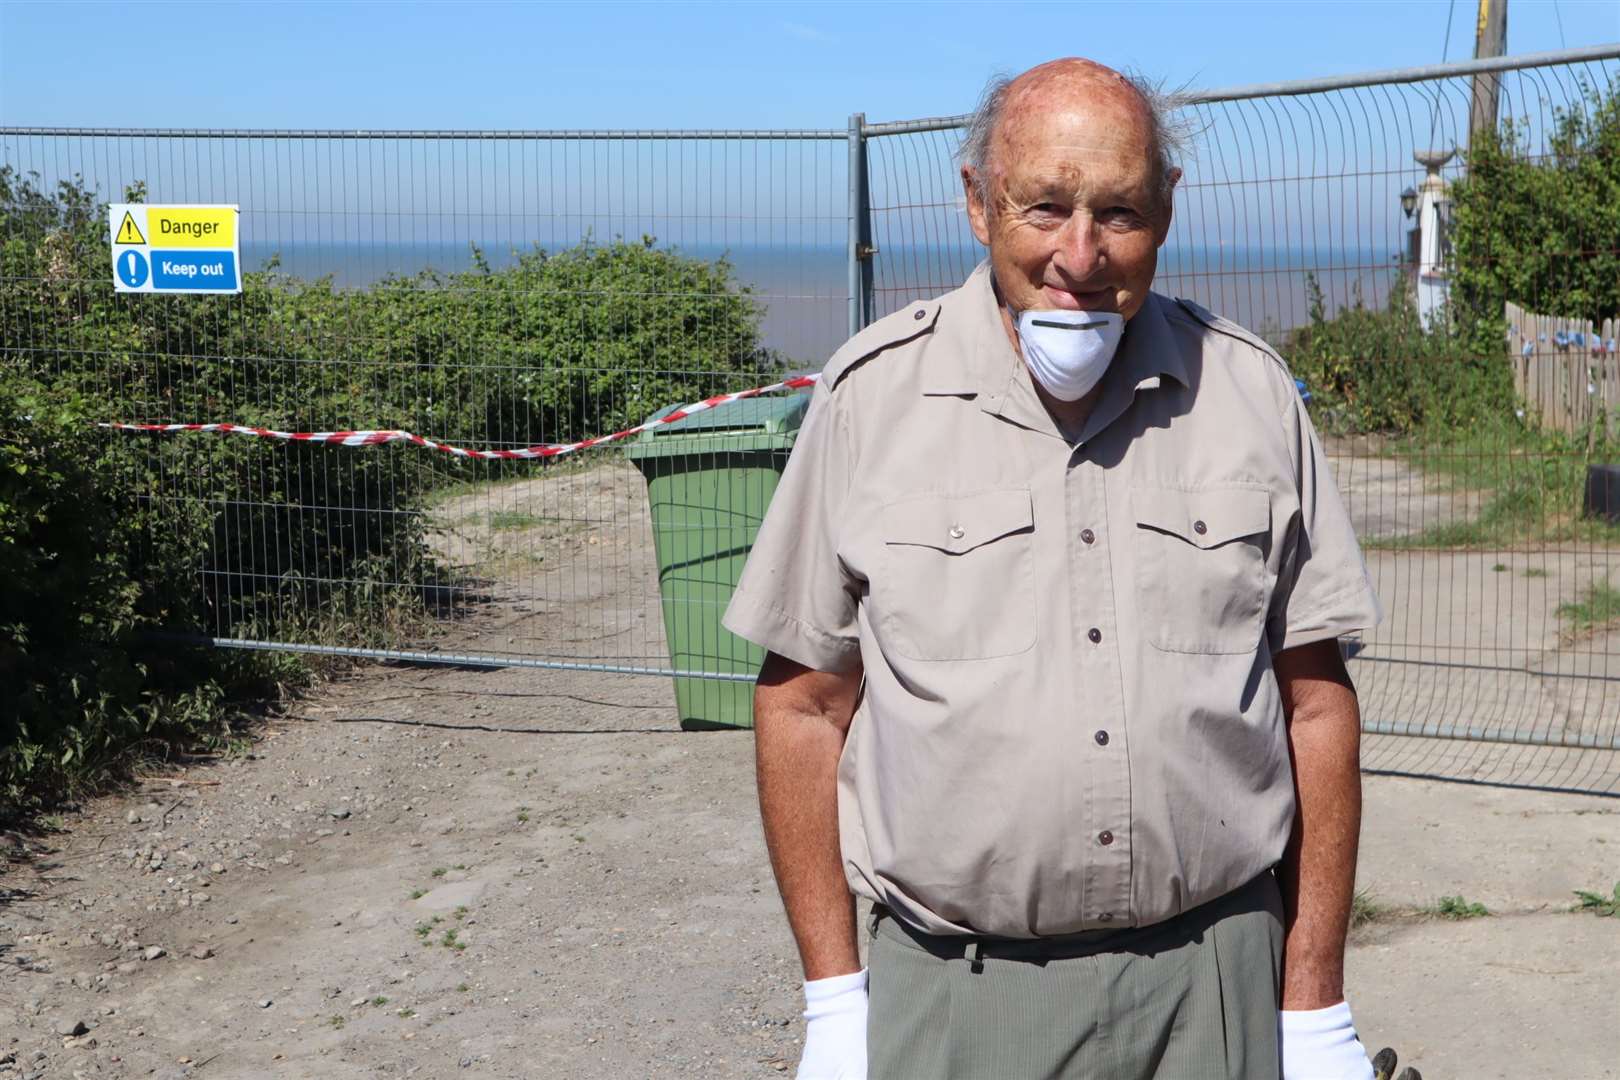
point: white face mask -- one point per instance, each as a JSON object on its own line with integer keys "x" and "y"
{"x": 1069, "y": 351}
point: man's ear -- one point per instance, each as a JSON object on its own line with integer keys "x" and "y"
{"x": 1167, "y": 211}
{"x": 978, "y": 212}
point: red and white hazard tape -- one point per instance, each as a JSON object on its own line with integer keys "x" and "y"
{"x": 543, "y": 450}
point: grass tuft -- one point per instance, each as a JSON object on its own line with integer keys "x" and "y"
{"x": 1531, "y": 484}
{"x": 1600, "y": 607}
{"x": 1458, "y": 908}
{"x": 1598, "y": 904}
{"x": 1366, "y": 908}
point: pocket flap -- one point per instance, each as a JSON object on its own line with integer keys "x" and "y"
{"x": 1204, "y": 519}
{"x": 960, "y": 523}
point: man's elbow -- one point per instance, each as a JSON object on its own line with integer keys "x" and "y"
{"x": 789, "y": 693}
{"x": 1315, "y": 684}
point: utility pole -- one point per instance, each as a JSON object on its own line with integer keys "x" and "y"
{"x": 1490, "y": 39}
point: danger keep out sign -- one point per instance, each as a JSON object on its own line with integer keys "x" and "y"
{"x": 184, "y": 249}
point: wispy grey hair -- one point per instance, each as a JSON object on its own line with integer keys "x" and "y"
{"x": 1172, "y": 132}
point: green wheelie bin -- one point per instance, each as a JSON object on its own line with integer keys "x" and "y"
{"x": 709, "y": 479}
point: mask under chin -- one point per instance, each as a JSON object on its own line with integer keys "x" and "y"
{"x": 1068, "y": 352}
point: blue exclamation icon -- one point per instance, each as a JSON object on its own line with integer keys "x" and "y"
{"x": 132, "y": 269}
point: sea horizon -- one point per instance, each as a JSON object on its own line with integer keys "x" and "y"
{"x": 803, "y": 288}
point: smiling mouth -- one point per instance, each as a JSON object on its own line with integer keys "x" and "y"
{"x": 1083, "y": 297}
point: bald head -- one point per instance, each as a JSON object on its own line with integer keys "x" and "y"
{"x": 1139, "y": 117}
{"x": 1058, "y": 81}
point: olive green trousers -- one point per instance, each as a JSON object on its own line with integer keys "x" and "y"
{"x": 1192, "y": 998}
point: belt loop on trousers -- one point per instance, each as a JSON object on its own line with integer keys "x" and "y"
{"x": 872, "y": 918}
{"x": 974, "y": 959}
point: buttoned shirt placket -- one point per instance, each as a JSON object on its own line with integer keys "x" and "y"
{"x": 1100, "y": 726}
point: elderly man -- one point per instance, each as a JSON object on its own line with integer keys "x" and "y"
{"x": 1051, "y": 592}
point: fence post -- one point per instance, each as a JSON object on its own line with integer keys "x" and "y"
{"x": 860, "y": 229}
{"x": 1611, "y": 378}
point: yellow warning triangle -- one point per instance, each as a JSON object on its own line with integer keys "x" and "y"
{"x": 129, "y": 232}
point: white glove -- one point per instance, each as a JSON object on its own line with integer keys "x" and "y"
{"x": 1321, "y": 1044}
{"x": 835, "y": 1028}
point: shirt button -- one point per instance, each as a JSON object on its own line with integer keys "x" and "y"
{"x": 1102, "y": 738}
{"x": 957, "y": 532}
{"x": 1088, "y": 536}
{"x": 1105, "y": 838}
{"x": 1200, "y": 528}
{"x": 1106, "y": 916}
{"x": 1094, "y": 634}
{"x": 922, "y": 313}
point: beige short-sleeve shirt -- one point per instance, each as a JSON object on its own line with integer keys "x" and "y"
{"x": 1069, "y": 719}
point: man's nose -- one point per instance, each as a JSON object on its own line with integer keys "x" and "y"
{"x": 1080, "y": 253}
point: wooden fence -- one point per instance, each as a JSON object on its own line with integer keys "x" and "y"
{"x": 1567, "y": 371}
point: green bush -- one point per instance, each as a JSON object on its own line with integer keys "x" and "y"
{"x": 122, "y": 536}
{"x": 558, "y": 347}
{"x": 1540, "y": 230}
{"x": 290, "y": 529}
{"x": 90, "y": 576}
{"x": 1371, "y": 370}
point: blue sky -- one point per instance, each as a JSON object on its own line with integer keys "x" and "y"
{"x": 677, "y": 65}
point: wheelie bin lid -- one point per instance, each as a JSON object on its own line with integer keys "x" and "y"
{"x": 764, "y": 423}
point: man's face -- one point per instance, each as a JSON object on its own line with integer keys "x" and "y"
{"x": 1071, "y": 218}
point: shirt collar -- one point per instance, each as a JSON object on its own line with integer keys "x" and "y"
{"x": 980, "y": 361}
{"x": 976, "y": 351}
{"x": 1149, "y": 350}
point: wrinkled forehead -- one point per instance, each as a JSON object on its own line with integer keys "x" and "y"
{"x": 1089, "y": 110}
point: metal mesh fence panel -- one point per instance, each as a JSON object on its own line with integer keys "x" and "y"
{"x": 486, "y": 291}
{"x": 1499, "y": 590}
{"x": 499, "y": 290}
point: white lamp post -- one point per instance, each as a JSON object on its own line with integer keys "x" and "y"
{"x": 1432, "y": 284}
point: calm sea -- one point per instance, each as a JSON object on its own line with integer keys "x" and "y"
{"x": 804, "y": 290}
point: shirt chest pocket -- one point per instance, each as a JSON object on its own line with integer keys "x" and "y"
{"x": 1201, "y": 567}
{"x": 956, "y": 580}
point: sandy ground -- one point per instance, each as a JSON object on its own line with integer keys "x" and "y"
{"x": 442, "y": 871}
{"x": 561, "y": 563}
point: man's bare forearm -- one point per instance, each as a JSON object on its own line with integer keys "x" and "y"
{"x": 1318, "y": 871}
{"x": 800, "y": 720}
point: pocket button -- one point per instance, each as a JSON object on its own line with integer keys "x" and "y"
{"x": 1200, "y": 528}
